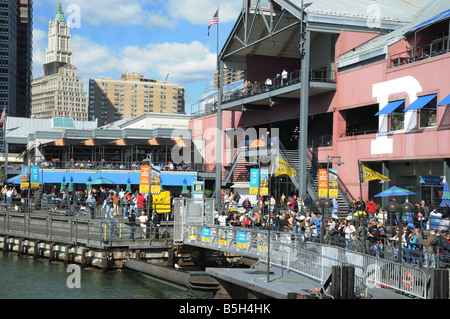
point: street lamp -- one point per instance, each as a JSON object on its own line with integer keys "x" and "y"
{"x": 393, "y": 207}
{"x": 322, "y": 203}
{"x": 339, "y": 163}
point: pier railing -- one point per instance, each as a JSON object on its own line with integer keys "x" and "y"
{"x": 69, "y": 229}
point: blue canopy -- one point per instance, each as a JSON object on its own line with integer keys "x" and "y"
{"x": 421, "y": 102}
{"x": 390, "y": 107}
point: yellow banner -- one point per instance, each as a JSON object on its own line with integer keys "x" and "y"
{"x": 144, "y": 181}
{"x": 283, "y": 168}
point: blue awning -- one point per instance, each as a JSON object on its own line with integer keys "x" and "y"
{"x": 118, "y": 178}
{"x": 445, "y": 101}
{"x": 437, "y": 18}
{"x": 420, "y": 102}
{"x": 390, "y": 107}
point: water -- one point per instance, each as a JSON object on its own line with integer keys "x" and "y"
{"x": 25, "y": 278}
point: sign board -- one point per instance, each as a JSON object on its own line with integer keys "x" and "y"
{"x": 34, "y": 177}
{"x": 198, "y": 190}
{"x": 144, "y": 179}
{"x": 25, "y": 178}
{"x": 324, "y": 188}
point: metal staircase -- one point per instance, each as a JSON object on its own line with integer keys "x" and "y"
{"x": 344, "y": 198}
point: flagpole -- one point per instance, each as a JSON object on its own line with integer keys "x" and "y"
{"x": 361, "y": 174}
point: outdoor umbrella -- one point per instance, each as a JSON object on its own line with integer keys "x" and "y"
{"x": 71, "y": 184}
{"x": 128, "y": 189}
{"x": 395, "y": 191}
{"x": 101, "y": 181}
{"x": 63, "y": 183}
{"x": 89, "y": 183}
{"x": 184, "y": 189}
{"x": 445, "y": 195}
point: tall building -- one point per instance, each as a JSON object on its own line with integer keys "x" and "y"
{"x": 230, "y": 76}
{"x": 132, "y": 96}
{"x": 8, "y": 56}
{"x": 24, "y": 57}
{"x": 60, "y": 91}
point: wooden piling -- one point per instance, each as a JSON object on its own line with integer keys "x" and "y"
{"x": 137, "y": 254}
{"x": 67, "y": 255}
{"x": 5, "y": 244}
{"x": 20, "y": 247}
{"x": 36, "y": 250}
{"x": 51, "y": 252}
{"x": 84, "y": 258}
{"x": 105, "y": 262}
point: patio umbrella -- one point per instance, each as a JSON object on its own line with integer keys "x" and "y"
{"x": 63, "y": 183}
{"x": 89, "y": 183}
{"x": 101, "y": 181}
{"x": 395, "y": 191}
{"x": 128, "y": 189}
{"x": 71, "y": 184}
{"x": 445, "y": 195}
{"x": 184, "y": 189}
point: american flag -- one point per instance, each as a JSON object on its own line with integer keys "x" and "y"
{"x": 214, "y": 20}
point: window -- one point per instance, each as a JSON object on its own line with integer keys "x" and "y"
{"x": 427, "y": 115}
{"x": 397, "y": 119}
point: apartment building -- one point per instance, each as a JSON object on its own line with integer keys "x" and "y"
{"x": 132, "y": 96}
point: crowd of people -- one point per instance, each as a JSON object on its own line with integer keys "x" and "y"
{"x": 367, "y": 228}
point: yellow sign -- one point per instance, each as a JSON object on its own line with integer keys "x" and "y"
{"x": 328, "y": 187}
{"x": 283, "y": 168}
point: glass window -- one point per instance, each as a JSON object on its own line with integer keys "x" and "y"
{"x": 397, "y": 119}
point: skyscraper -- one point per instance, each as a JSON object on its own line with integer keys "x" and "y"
{"x": 24, "y": 57}
{"x": 59, "y": 92}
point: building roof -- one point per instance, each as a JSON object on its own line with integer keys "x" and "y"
{"x": 59, "y": 17}
{"x": 388, "y": 10}
{"x": 381, "y": 42}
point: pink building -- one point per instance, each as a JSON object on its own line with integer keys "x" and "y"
{"x": 375, "y": 92}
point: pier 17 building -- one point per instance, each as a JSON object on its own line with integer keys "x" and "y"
{"x": 361, "y": 81}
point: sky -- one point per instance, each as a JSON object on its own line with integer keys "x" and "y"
{"x": 155, "y": 38}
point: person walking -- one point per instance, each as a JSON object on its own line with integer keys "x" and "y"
{"x": 91, "y": 202}
{"x": 132, "y": 223}
{"x": 109, "y": 206}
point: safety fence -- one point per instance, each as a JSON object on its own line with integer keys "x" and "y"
{"x": 292, "y": 252}
{"x": 99, "y": 232}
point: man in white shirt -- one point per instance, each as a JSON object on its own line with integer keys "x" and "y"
{"x": 143, "y": 219}
{"x": 284, "y": 77}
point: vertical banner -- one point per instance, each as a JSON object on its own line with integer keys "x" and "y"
{"x": 223, "y": 237}
{"x": 264, "y": 182}
{"x": 34, "y": 177}
{"x": 333, "y": 182}
{"x": 25, "y": 178}
{"x": 254, "y": 179}
{"x": 155, "y": 187}
{"x": 323, "y": 181}
{"x": 144, "y": 179}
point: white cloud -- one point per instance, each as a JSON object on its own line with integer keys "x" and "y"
{"x": 40, "y": 41}
{"x": 200, "y": 11}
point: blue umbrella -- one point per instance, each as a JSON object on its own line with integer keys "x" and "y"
{"x": 445, "y": 195}
{"x": 395, "y": 191}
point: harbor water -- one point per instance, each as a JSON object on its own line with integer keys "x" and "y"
{"x": 22, "y": 277}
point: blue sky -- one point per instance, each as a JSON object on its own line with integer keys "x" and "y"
{"x": 152, "y": 37}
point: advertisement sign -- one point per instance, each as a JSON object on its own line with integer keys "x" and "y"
{"x": 206, "y": 234}
{"x": 264, "y": 182}
{"x": 34, "y": 177}
{"x": 325, "y": 189}
{"x": 155, "y": 187}
{"x": 241, "y": 239}
{"x": 254, "y": 178}
{"x": 223, "y": 237}
{"x": 144, "y": 179}
{"x": 25, "y": 178}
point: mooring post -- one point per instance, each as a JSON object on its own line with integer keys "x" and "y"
{"x": 5, "y": 244}
{"x": 67, "y": 255}
{"x": 138, "y": 254}
{"x": 104, "y": 262}
{"x": 36, "y": 250}
{"x": 20, "y": 247}
{"x": 84, "y": 258}
{"x": 50, "y": 252}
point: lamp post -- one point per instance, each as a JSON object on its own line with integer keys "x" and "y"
{"x": 322, "y": 203}
{"x": 394, "y": 207}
